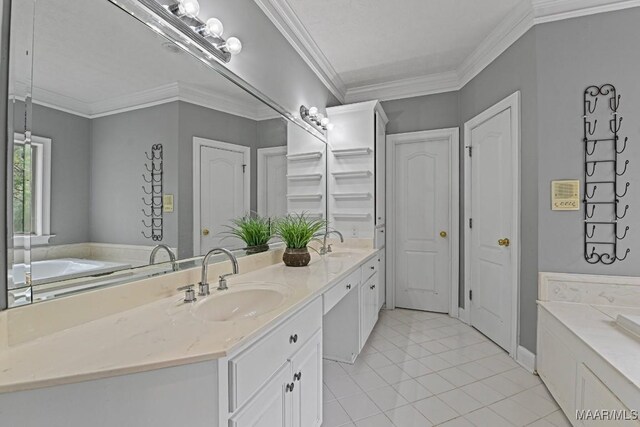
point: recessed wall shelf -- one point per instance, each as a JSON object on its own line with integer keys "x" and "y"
{"x": 346, "y": 152}
{"x": 304, "y": 196}
{"x": 352, "y": 174}
{"x": 305, "y": 177}
{"x": 345, "y": 196}
{"x": 362, "y": 216}
{"x": 305, "y": 156}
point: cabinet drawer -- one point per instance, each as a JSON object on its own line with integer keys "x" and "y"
{"x": 334, "y": 295}
{"x": 369, "y": 268}
{"x": 252, "y": 368}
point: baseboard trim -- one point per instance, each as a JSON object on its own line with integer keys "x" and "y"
{"x": 463, "y": 315}
{"x": 526, "y": 359}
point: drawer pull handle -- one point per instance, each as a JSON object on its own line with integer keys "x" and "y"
{"x": 297, "y": 377}
{"x": 349, "y": 286}
{"x": 290, "y": 387}
{"x": 373, "y": 267}
{"x": 293, "y": 339}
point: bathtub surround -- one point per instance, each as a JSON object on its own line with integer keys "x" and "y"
{"x": 551, "y": 65}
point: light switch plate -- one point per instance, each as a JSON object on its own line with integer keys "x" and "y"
{"x": 565, "y": 195}
{"x": 167, "y": 203}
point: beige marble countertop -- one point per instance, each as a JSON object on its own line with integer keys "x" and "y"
{"x": 165, "y": 332}
{"x": 596, "y": 326}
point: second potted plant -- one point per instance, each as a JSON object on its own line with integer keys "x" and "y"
{"x": 255, "y": 231}
{"x": 296, "y": 231}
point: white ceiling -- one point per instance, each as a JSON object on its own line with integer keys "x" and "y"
{"x": 378, "y": 41}
{"x": 93, "y": 58}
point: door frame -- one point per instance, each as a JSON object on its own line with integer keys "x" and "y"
{"x": 512, "y": 103}
{"x": 453, "y": 135}
{"x": 263, "y": 154}
{"x": 198, "y": 143}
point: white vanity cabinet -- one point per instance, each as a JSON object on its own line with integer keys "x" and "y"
{"x": 347, "y": 323}
{"x": 277, "y": 381}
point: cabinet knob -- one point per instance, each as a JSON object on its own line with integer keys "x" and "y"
{"x": 297, "y": 377}
{"x": 349, "y": 286}
{"x": 293, "y": 339}
{"x": 372, "y": 287}
{"x": 373, "y": 267}
{"x": 290, "y": 387}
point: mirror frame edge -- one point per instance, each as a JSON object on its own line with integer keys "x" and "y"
{"x": 5, "y": 27}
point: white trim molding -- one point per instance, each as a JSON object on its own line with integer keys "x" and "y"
{"x": 177, "y": 91}
{"x": 526, "y": 359}
{"x": 511, "y": 103}
{"x": 516, "y": 23}
{"x": 453, "y": 135}
{"x": 263, "y": 155}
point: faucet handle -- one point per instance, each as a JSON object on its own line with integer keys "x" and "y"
{"x": 222, "y": 283}
{"x": 189, "y": 293}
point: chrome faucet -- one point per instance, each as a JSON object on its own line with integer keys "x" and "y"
{"x": 325, "y": 249}
{"x": 172, "y": 256}
{"x": 222, "y": 283}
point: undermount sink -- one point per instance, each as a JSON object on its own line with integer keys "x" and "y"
{"x": 241, "y": 302}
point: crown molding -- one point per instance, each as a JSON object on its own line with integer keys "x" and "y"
{"x": 556, "y": 10}
{"x": 518, "y": 21}
{"x": 405, "y": 88}
{"x": 148, "y": 98}
{"x": 285, "y": 19}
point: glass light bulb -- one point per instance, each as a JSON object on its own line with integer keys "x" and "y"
{"x": 190, "y": 8}
{"x": 214, "y": 27}
{"x": 324, "y": 121}
{"x": 330, "y": 126}
{"x": 233, "y": 45}
{"x": 313, "y": 111}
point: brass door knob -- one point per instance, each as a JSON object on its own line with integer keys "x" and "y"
{"x": 443, "y": 234}
{"x": 504, "y": 242}
{"x": 205, "y": 231}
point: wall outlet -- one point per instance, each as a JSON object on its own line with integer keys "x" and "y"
{"x": 354, "y": 232}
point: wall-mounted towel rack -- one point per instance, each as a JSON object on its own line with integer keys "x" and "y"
{"x": 152, "y": 200}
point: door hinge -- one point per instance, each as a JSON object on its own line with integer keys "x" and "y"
{"x": 470, "y": 294}
{"x": 470, "y": 151}
{"x": 470, "y": 222}
{"x": 244, "y": 168}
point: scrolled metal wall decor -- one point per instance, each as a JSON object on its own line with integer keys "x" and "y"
{"x": 152, "y": 188}
{"x": 604, "y": 185}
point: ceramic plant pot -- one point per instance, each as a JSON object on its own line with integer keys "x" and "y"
{"x": 250, "y": 250}
{"x": 296, "y": 257}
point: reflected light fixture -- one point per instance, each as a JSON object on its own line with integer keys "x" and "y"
{"x": 316, "y": 119}
{"x": 211, "y": 29}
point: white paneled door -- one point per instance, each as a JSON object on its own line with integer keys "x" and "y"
{"x": 491, "y": 139}
{"x": 223, "y": 191}
{"x": 272, "y": 182}
{"x": 421, "y": 179}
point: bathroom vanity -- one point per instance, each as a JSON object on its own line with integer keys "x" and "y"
{"x": 166, "y": 361}
{"x": 586, "y": 358}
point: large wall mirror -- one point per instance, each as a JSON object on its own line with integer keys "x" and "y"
{"x": 124, "y": 140}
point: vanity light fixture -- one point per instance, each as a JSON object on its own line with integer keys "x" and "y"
{"x": 211, "y": 30}
{"x": 316, "y": 119}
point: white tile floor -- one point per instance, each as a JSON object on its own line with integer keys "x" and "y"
{"x": 420, "y": 369}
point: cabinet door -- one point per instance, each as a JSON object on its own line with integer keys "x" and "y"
{"x": 382, "y": 280}
{"x": 381, "y": 151}
{"x": 307, "y": 392}
{"x": 363, "y": 308}
{"x": 271, "y": 407}
{"x": 373, "y": 300}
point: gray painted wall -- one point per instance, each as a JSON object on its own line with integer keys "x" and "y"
{"x": 118, "y": 145}
{"x": 515, "y": 70}
{"x": 70, "y": 170}
{"x": 572, "y": 55}
{"x": 422, "y": 113}
{"x": 268, "y": 61}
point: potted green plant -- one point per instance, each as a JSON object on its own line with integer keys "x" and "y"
{"x": 255, "y": 231}
{"x": 296, "y": 231}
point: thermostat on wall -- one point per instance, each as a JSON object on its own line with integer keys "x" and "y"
{"x": 565, "y": 195}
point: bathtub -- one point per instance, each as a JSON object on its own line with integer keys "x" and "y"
{"x": 62, "y": 269}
